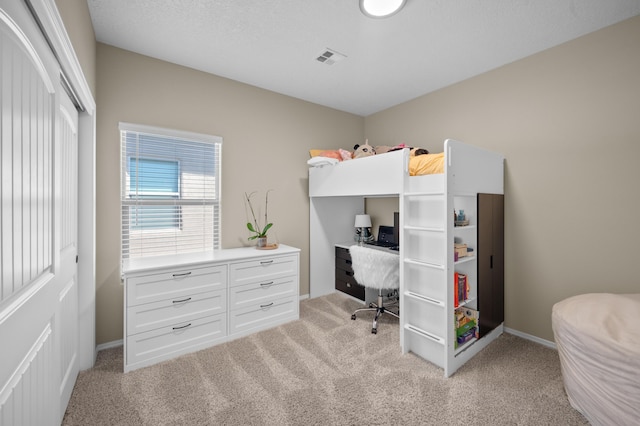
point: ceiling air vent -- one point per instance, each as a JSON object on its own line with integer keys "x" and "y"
{"x": 330, "y": 57}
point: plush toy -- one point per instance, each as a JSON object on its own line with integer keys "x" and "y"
{"x": 365, "y": 150}
{"x": 414, "y": 151}
{"x": 419, "y": 151}
{"x": 382, "y": 149}
{"x": 338, "y": 154}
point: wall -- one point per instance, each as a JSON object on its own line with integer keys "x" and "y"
{"x": 267, "y": 137}
{"x": 77, "y": 22}
{"x": 567, "y": 122}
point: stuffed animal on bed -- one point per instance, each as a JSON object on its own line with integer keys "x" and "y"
{"x": 385, "y": 148}
{"x": 414, "y": 151}
{"x": 364, "y": 150}
{"x": 338, "y": 154}
{"x": 419, "y": 151}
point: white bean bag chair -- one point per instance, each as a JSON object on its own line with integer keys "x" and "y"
{"x": 598, "y": 341}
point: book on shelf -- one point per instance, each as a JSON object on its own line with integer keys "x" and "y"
{"x": 464, "y": 338}
{"x": 456, "y": 299}
{"x": 460, "y": 288}
{"x": 466, "y": 325}
{"x": 463, "y": 315}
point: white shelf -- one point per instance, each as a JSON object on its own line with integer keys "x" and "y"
{"x": 464, "y": 346}
{"x": 465, "y": 302}
{"x": 464, "y": 228}
{"x": 465, "y": 259}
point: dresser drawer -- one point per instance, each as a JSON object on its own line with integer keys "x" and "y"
{"x": 168, "y": 342}
{"x": 343, "y": 253}
{"x": 264, "y": 269}
{"x": 149, "y": 316}
{"x": 345, "y": 282}
{"x": 346, "y": 276}
{"x": 344, "y": 264}
{"x": 263, "y": 315}
{"x": 178, "y": 283}
{"x": 265, "y": 290}
{"x": 355, "y": 290}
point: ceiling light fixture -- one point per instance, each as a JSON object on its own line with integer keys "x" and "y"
{"x": 381, "y": 8}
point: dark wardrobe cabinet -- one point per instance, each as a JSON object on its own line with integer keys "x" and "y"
{"x": 490, "y": 261}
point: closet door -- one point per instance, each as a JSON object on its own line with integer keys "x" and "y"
{"x": 38, "y": 226}
{"x": 66, "y": 148}
{"x": 490, "y": 261}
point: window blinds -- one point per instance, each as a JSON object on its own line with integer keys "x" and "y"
{"x": 170, "y": 191}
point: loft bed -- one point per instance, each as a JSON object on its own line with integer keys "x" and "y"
{"x": 382, "y": 174}
{"x": 385, "y": 174}
{"x": 427, "y": 231}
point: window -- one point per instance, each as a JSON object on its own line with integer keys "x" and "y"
{"x": 154, "y": 179}
{"x": 170, "y": 191}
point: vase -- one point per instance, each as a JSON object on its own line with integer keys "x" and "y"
{"x": 262, "y": 242}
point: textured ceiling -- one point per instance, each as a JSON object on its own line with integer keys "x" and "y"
{"x": 273, "y": 44}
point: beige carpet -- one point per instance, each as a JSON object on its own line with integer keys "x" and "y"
{"x": 326, "y": 370}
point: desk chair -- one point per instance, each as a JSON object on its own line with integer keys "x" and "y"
{"x": 378, "y": 269}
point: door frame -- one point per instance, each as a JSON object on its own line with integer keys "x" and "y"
{"x": 51, "y": 24}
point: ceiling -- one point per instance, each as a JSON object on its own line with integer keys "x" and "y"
{"x": 273, "y": 44}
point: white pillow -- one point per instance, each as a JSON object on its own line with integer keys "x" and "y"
{"x": 321, "y": 161}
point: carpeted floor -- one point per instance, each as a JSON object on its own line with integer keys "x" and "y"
{"x": 326, "y": 369}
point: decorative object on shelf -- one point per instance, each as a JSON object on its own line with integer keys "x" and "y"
{"x": 363, "y": 228}
{"x": 460, "y": 219}
{"x": 460, "y": 249}
{"x": 260, "y": 232}
{"x": 268, "y": 246}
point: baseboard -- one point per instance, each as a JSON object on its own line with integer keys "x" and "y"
{"x": 304, "y": 296}
{"x": 531, "y": 337}
{"x": 109, "y": 345}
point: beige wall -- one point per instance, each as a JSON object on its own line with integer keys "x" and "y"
{"x": 267, "y": 137}
{"x": 568, "y": 123}
{"x": 77, "y": 22}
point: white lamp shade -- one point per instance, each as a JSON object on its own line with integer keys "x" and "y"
{"x": 380, "y": 8}
{"x": 363, "y": 221}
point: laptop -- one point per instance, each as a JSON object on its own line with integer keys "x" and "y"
{"x": 385, "y": 237}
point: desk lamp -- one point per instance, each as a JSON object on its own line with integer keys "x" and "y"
{"x": 363, "y": 228}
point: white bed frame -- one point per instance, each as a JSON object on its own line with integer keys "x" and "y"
{"x": 427, "y": 202}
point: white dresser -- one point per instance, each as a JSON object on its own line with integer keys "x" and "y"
{"x": 180, "y": 304}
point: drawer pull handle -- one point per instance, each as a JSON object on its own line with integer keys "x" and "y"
{"x": 182, "y": 275}
{"x": 348, "y": 285}
{"x": 349, "y": 273}
{"x": 348, "y": 262}
{"x": 267, "y": 305}
{"x": 266, "y": 284}
{"x": 266, "y": 262}
{"x": 181, "y": 327}
{"x": 183, "y": 300}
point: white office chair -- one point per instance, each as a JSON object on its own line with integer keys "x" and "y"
{"x": 379, "y": 269}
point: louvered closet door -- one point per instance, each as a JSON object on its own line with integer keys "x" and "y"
{"x": 38, "y": 170}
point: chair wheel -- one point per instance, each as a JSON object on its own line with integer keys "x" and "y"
{"x": 374, "y": 331}
{"x": 353, "y": 317}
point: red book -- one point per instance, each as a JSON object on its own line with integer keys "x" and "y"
{"x": 456, "y": 300}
